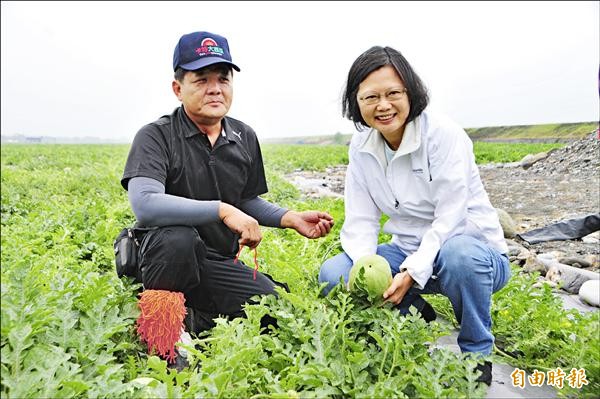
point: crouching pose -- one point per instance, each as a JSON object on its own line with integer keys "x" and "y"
{"x": 418, "y": 168}
{"x": 196, "y": 176}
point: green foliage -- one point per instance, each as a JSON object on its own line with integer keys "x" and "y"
{"x": 534, "y": 331}
{"x": 547, "y": 336}
{"x": 67, "y": 321}
{"x": 329, "y": 347}
{"x": 508, "y": 152}
{"x": 550, "y": 130}
{"x": 287, "y": 158}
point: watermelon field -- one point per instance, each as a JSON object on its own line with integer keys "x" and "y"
{"x": 68, "y": 321}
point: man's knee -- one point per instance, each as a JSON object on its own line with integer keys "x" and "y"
{"x": 173, "y": 242}
{"x": 171, "y": 257}
{"x": 266, "y": 284}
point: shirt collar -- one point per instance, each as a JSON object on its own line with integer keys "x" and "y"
{"x": 190, "y": 129}
{"x": 229, "y": 133}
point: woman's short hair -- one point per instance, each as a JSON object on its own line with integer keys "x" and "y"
{"x": 371, "y": 60}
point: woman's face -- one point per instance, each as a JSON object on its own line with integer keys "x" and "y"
{"x": 384, "y": 104}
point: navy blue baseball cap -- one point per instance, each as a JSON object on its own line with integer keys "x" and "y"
{"x": 199, "y": 49}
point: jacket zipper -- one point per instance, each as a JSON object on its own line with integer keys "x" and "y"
{"x": 396, "y": 203}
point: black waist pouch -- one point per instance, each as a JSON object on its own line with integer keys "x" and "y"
{"x": 126, "y": 247}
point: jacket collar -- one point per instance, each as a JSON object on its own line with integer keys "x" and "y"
{"x": 411, "y": 141}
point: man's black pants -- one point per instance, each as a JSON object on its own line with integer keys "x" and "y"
{"x": 175, "y": 258}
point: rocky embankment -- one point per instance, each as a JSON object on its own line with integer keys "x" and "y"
{"x": 539, "y": 190}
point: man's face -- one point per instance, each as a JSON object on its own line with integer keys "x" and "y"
{"x": 206, "y": 94}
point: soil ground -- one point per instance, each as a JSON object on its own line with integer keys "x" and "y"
{"x": 538, "y": 200}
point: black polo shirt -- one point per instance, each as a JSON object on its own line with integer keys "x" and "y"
{"x": 173, "y": 151}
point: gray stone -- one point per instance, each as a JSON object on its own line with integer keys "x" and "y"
{"x": 532, "y": 265}
{"x": 589, "y": 292}
{"x": 593, "y": 238}
{"x": 575, "y": 261}
{"x": 570, "y": 278}
{"x": 530, "y": 159}
{"x": 513, "y": 243}
{"x": 514, "y": 251}
{"x": 509, "y": 226}
{"x": 573, "y": 301}
{"x": 588, "y": 274}
{"x": 594, "y": 260}
{"x": 547, "y": 256}
{"x": 524, "y": 254}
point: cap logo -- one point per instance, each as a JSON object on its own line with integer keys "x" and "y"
{"x": 197, "y": 50}
{"x": 209, "y": 46}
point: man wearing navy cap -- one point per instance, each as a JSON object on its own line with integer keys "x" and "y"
{"x": 197, "y": 175}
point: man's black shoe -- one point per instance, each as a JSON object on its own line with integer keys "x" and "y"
{"x": 423, "y": 307}
{"x": 181, "y": 359}
{"x": 181, "y": 363}
{"x": 486, "y": 373}
{"x": 428, "y": 312}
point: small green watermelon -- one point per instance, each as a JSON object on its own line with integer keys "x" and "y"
{"x": 370, "y": 275}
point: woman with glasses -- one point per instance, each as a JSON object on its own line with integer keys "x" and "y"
{"x": 418, "y": 168}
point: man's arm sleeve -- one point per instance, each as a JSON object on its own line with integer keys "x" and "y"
{"x": 265, "y": 212}
{"x": 152, "y": 207}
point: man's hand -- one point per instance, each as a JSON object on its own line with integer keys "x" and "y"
{"x": 310, "y": 224}
{"x": 399, "y": 287}
{"x": 239, "y": 222}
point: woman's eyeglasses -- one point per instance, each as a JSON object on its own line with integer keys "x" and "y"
{"x": 390, "y": 95}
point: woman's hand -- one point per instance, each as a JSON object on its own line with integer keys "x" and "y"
{"x": 401, "y": 283}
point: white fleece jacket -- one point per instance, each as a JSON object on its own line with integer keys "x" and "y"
{"x": 431, "y": 191}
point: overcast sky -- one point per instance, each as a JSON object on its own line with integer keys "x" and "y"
{"x": 104, "y": 69}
